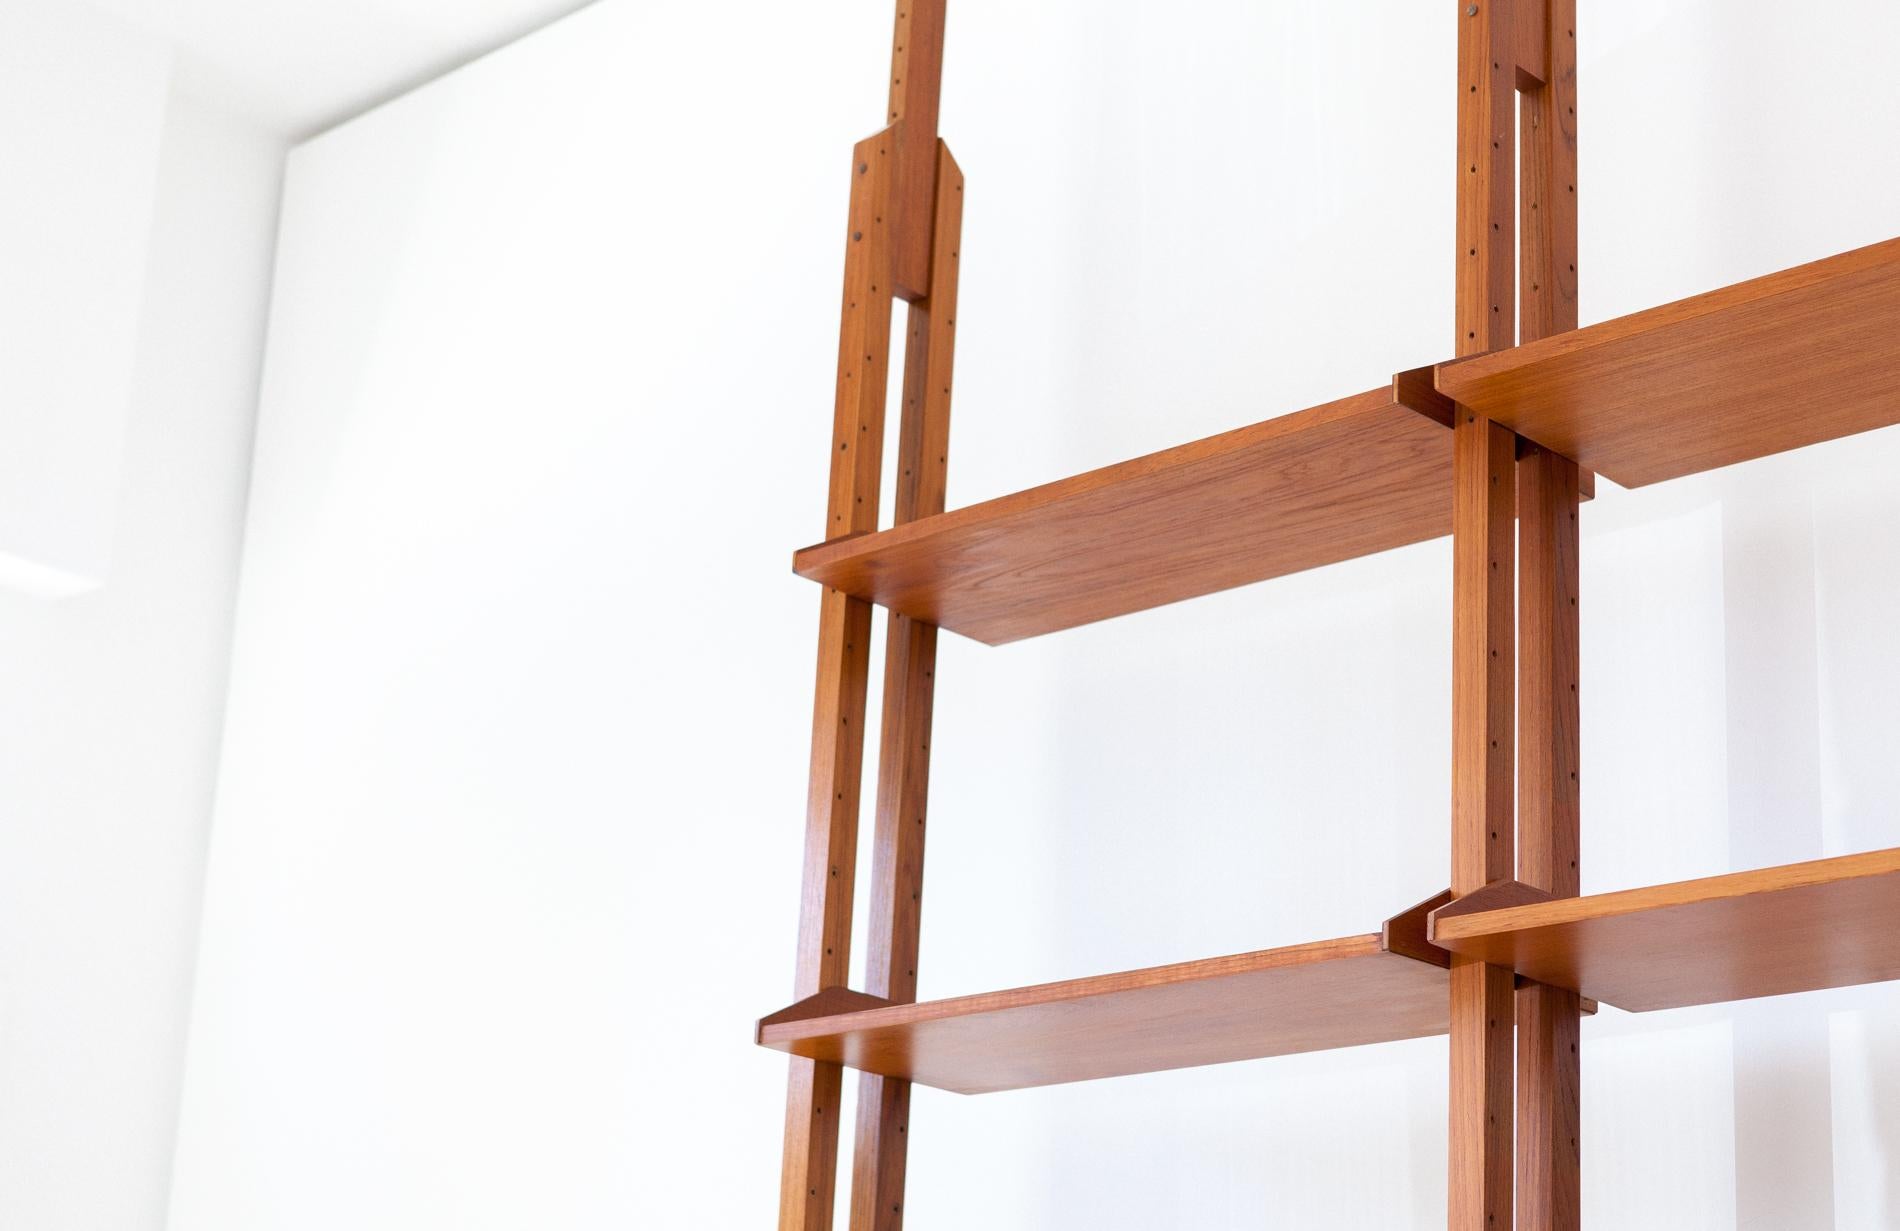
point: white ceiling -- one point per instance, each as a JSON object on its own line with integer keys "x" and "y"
{"x": 302, "y": 65}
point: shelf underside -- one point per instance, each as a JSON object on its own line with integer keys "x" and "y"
{"x": 1352, "y": 477}
{"x": 1797, "y": 928}
{"x": 1796, "y": 358}
{"x": 1338, "y": 993}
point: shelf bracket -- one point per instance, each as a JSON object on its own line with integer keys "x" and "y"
{"x": 828, "y": 1003}
{"x": 1406, "y": 933}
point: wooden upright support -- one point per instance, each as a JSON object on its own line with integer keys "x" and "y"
{"x": 1548, "y": 1156}
{"x": 902, "y": 242}
{"x": 897, "y": 862}
{"x": 1549, "y": 1160}
{"x": 1506, "y": 47}
{"x": 1483, "y": 619}
{"x": 809, "y": 1172}
{"x": 1483, "y": 680}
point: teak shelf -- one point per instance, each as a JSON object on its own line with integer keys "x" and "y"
{"x": 1496, "y": 447}
{"x": 1798, "y": 928}
{"x": 1792, "y": 359}
{"x": 1330, "y": 993}
{"x": 1346, "y": 479}
{"x": 1349, "y": 478}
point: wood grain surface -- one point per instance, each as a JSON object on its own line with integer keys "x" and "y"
{"x": 1336, "y": 993}
{"x": 1349, "y": 478}
{"x": 1799, "y": 927}
{"x": 1798, "y": 357}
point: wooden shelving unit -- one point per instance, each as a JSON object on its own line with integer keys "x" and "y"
{"x": 1496, "y": 447}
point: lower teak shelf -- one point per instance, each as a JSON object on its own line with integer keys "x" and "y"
{"x": 1797, "y": 928}
{"x": 1331, "y": 993}
{"x": 1800, "y": 927}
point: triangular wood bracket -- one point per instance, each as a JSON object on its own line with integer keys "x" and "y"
{"x": 1417, "y": 389}
{"x": 1498, "y": 895}
{"x": 829, "y": 1002}
{"x": 1405, "y": 932}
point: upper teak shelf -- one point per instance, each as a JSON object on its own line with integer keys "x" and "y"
{"x": 1346, "y": 479}
{"x": 1791, "y": 359}
{"x": 1772, "y": 364}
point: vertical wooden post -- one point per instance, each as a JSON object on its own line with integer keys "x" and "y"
{"x": 809, "y": 1173}
{"x": 1483, "y": 679}
{"x": 1549, "y": 1157}
{"x": 903, "y": 240}
{"x": 897, "y": 864}
{"x": 1483, "y": 618}
{"x": 1548, "y": 1097}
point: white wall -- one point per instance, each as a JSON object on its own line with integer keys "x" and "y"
{"x": 507, "y": 843}
{"x": 82, "y": 110}
{"x": 109, "y": 723}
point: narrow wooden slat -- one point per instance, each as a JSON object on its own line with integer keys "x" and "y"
{"x": 1796, "y": 358}
{"x": 897, "y": 863}
{"x": 1483, "y": 704}
{"x": 1798, "y": 927}
{"x": 1350, "y": 478}
{"x": 1549, "y": 1086}
{"x": 808, "y": 1176}
{"x": 1483, "y": 648}
{"x": 1337, "y": 993}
